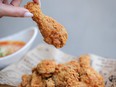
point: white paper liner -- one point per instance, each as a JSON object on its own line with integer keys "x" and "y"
{"x": 12, "y": 74}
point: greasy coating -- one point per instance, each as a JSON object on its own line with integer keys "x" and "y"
{"x": 53, "y": 32}
{"x": 76, "y": 73}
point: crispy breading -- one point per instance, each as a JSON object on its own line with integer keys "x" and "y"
{"x": 25, "y": 81}
{"x": 65, "y": 76}
{"x": 49, "y": 83}
{"x": 46, "y": 67}
{"x": 76, "y": 73}
{"x": 53, "y": 32}
{"x": 91, "y": 78}
{"x": 84, "y": 61}
{"x": 36, "y": 80}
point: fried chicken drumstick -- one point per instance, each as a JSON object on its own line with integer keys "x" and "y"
{"x": 76, "y": 73}
{"x": 53, "y": 32}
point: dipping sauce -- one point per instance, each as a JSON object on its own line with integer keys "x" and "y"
{"x": 9, "y": 47}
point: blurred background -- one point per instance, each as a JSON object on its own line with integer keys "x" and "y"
{"x": 91, "y": 25}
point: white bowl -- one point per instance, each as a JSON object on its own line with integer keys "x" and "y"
{"x": 28, "y": 36}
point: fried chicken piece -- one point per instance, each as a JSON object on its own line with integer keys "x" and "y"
{"x": 36, "y": 80}
{"x": 46, "y": 66}
{"x": 76, "y": 73}
{"x": 53, "y": 32}
{"x": 88, "y": 74}
{"x": 91, "y": 78}
{"x": 25, "y": 81}
{"x": 84, "y": 61}
{"x": 65, "y": 76}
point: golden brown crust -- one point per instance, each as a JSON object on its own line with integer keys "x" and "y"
{"x": 76, "y": 73}
{"x": 25, "y": 81}
{"x": 36, "y": 80}
{"x": 46, "y": 67}
{"x": 49, "y": 83}
{"x": 53, "y": 32}
{"x": 84, "y": 61}
{"x": 65, "y": 76}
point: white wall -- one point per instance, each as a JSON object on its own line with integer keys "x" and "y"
{"x": 90, "y": 23}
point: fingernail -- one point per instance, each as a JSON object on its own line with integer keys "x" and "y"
{"x": 28, "y": 14}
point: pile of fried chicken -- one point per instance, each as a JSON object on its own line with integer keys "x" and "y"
{"x": 53, "y": 32}
{"x": 76, "y": 73}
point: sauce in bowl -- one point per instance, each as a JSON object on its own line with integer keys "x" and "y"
{"x": 9, "y": 47}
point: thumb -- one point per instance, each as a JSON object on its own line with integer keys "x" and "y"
{"x": 12, "y": 11}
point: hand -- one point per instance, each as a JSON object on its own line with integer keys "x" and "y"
{"x": 12, "y": 9}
